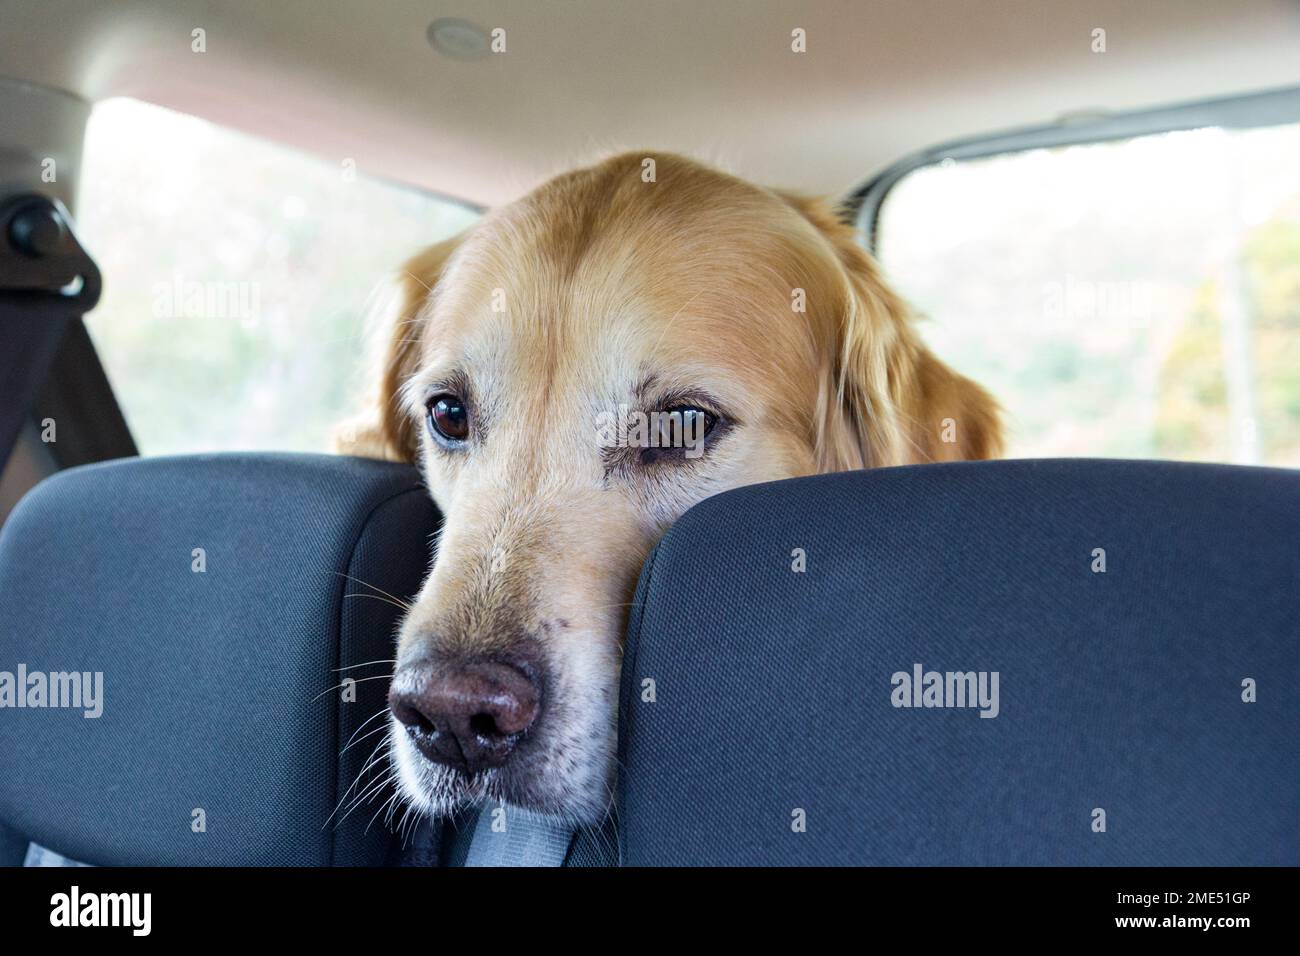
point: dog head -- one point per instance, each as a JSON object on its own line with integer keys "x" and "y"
{"x": 571, "y": 376}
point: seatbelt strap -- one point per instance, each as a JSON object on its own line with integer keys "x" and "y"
{"x": 46, "y": 281}
{"x": 38, "y": 855}
{"x": 506, "y": 836}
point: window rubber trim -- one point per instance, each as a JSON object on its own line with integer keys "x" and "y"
{"x": 1272, "y": 108}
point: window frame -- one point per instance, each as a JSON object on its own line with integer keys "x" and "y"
{"x": 1276, "y": 107}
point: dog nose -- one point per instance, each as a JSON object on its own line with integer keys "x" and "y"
{"x": 468, "y": 717}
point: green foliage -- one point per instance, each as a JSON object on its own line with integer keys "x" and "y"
{"x": 168, "y": 200}
{"x": 1082, "y": 286}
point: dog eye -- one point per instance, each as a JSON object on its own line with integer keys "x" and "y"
{"x": 448, "y": 418}
{"x": 679, "y": 433}
{"x": 693, "y": 422}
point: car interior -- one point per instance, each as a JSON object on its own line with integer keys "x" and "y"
{"x": 1094, "y": 208}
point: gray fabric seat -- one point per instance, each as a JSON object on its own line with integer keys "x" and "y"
{"x": 1119, "y": 690}
{"x": 774, "y": 736}
{"x": 218, "y": 696}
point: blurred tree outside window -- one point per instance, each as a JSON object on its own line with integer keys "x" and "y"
{"x": 237, "y": 277}
{"x": 1138, "y": 298}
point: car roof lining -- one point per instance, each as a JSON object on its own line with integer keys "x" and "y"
{"x": 715, "y": 81}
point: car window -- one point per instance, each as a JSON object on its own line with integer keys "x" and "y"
{"x": 237, "y": 277}
{"x": 1138, "y": 298}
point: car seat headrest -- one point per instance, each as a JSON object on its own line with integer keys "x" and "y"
{"x": 207, "y": 606}
{"x": 1139, "y": 619}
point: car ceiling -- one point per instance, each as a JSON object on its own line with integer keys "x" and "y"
{"x": 580, "y": 78}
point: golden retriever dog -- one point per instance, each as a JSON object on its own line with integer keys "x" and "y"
{"x": 746, "y": 326}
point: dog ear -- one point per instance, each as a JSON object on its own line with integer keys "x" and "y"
{"x": 386, "y": 430}
{"x": 952, "y": 416}
{"x": 887, "y": 399}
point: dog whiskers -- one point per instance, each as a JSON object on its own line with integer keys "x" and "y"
{"x": 380, "y": 810}
{"x": 377, "y": 730}
{"x": 355, "y": 680}
{"x": 378, "y": 713}
{"x": 366, "y": 794}
{"x": 602, "y": 607}
{"x": 379, "y": 597}
{"x": 366, "y": 664}
{"x": 366, "y": 584}
{"x": 381, "y": 748}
